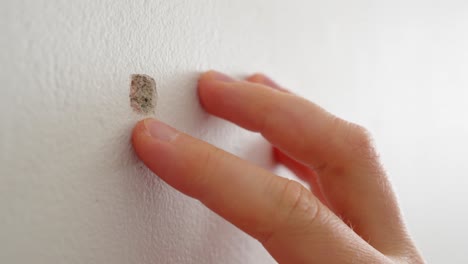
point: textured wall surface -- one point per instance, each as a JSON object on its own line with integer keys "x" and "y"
{"x": 71, "y": 188}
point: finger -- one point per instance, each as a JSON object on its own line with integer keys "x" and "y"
{"x": 304, "y": 172}
{"x": 290, "y": 222}
{"x": 259, "y": 110}
{"x": 349, "y": 172}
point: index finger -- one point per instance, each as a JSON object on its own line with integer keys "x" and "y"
{"x": 289, "y": 221}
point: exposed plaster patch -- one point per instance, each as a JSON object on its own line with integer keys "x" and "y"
{"x": 143, "y": 94}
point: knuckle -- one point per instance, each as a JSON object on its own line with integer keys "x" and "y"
{"x": 356, "y": 149}
{"x": 302, "y": 204}
{"x": 301, "y": 210}
{"x": 362, "y": 133}
{"x": 360, "y": 141}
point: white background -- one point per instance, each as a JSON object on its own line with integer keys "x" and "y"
{"x": 71, "y": 189}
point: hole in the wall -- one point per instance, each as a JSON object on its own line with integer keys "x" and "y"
{"x": 143, "y": 94}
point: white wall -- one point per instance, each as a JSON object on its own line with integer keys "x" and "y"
{"x": 71, "y": 189}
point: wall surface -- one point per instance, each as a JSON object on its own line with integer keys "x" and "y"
{"x": 71, "y": 188}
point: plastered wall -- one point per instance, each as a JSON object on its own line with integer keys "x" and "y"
{"x": 71, "y": 188}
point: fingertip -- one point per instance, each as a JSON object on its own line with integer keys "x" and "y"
{"x": 206, "y": 76}
{"x": 205, "y": 82}
{"x": 210, "y": 86}
{"x": 214, "y": 76}
{"x": 140, "y": 125}
{"x": 140, "y": 137}
{"x": 140, "y": 128}
{"x": 158, "y": 154}
{"x": 256, "y": 77}
{"x": 203, "y": 87}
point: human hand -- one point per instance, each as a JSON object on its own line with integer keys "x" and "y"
{"x": 350, "y": 215}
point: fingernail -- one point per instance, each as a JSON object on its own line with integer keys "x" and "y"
{"x": 263, "y": 79}
{"x": 267, "y": 81}
{"x": 159, "y": 130}
{"x": 221, "y": 77}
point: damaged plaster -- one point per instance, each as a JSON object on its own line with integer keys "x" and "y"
{"x": 143, "y": 94}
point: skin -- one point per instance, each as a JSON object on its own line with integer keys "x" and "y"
{"x": 349, "y": 215}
